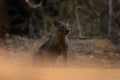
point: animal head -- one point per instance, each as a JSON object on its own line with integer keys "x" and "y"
{"x": 62, "y": 28}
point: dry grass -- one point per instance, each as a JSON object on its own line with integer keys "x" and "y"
{"x": 88, "y": 60}
{"x": 82, "y": 53}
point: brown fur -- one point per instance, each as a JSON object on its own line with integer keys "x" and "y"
{"x": 54, "y": 47}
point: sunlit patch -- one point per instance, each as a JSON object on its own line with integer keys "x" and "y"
{"x": 27, "y": 72}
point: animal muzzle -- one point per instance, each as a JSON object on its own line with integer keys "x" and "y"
{"x": 67, "y": 31}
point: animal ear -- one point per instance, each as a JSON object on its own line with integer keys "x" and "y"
{"x": 69, "y": 22}
{"x": 57, "y": 23}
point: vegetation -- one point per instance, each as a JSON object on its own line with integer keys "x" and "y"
{"x": 24, "y": 19}
{"x": 87, "y": 17}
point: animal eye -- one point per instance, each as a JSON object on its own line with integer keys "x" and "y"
{"x": 61, "y": 26}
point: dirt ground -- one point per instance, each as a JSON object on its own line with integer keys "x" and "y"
{"x": 101, "y": 53}
{"x": 90, "y": 59}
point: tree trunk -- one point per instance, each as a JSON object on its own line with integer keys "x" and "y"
{"x": 4, "y": 19}
{"x": 78, "y": 22}
{"x": 110, "y": 18}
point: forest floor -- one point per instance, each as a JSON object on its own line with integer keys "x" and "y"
{"x": 101, "y": 53}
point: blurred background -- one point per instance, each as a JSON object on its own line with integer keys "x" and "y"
{"x": 94, "y": 39}
{"x": 34, "y": 18}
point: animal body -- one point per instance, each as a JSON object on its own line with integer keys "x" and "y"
{"x": 54, "y": 47}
